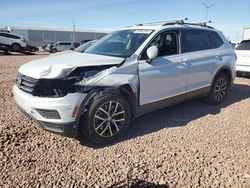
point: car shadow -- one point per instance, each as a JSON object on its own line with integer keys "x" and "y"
{"x": 137, "y": 183}
{"x": 180, "y": 114}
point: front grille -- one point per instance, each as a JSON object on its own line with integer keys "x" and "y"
{"x": 49, "y": 114}
{"x": 26, "y": 83}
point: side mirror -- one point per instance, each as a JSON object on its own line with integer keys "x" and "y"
{"x": 152, "y": 52}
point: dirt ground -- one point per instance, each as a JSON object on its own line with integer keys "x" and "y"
{"x": 192, "y": 144}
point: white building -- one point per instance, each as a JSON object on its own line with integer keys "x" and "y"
{"x": 39, "y": 36}
{"x": 246, "y": 34}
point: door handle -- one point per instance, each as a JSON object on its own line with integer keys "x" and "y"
{"x": 218, "y": 57}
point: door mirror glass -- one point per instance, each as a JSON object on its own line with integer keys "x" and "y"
{"x": 152, "y": 52}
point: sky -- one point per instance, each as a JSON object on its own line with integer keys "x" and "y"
{"x": 229, "y": 16}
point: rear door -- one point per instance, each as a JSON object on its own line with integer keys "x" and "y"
{"x": 165, "y": 76}
{"x": 9, "y": 40}
{"x": 201, "y": 60}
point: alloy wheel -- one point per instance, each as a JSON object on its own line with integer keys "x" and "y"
{"x": 109, "y": 119}
{"x": 220, "y": 89}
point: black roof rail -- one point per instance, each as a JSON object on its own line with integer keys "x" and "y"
{"x": 202, "y": 24}
{"x": 177, "y": 21}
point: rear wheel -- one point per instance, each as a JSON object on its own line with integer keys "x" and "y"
{"x": 107, "y": 119}
{"x": 219, "y": 89}
{"x": 16, "y": 46}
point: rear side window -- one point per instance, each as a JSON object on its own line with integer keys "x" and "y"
{"x": 194, "y": 40}
{"x": 214, "y": 40}
{"x": 244, "y": 45}
{"x": 12, "y": 36}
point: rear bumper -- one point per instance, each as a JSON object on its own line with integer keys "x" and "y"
{"x": 242, "y": 68}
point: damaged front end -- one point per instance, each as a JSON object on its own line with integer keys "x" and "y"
{"x": 75, "y": 81}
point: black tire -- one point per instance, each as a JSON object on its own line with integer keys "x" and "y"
{"x": 219, "y": 89}
{"x": 92, "y": 127}
{"x": 53, "y": 50}
{"x": 16, "y": 46}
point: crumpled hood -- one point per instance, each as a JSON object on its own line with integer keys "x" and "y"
{"x": 58, "y": 66}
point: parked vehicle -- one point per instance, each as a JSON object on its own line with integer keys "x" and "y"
{"x": 31, "y": 48}
{"x": 62, "y": 46}
{"x": 48, "y": 47}
{"x": 84, "y": 41}
{"x": 243, "y": 57}
{"x": 84, "y": 46}
{"x": 125, "y": 74}
{"x": 12, "y": 41}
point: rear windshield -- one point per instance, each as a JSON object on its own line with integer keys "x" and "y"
{"x": 244, "y": 45}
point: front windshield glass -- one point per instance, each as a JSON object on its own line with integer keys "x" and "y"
{"x": 120, "y": 43}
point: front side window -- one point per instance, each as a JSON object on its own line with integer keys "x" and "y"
{"x": 120, "y": 43}
{"x": 167, "y": 43}
{"x": 244, "y": 45}
{"x": 194, "y": 40}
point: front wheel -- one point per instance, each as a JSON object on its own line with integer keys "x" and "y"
{"x": 16, "y": 46}
{"x": 219, "y": 89}
{"x": 106, "y": 120}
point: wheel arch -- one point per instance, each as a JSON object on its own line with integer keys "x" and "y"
{"x": 125, "y": 90}
{"x": 226, "y": 70}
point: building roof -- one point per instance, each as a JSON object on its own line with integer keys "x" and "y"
{"x": 61, "y": 29}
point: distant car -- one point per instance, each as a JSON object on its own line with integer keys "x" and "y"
{"x": 31, "y": 48}
{"x": 84, "y": 46}
{"x": 62, "y": 46}
{"x": 243, "y": 57}
{"x": 84, "y": 41}
{"x": 47, "y": 47}
{"x": 15, "y": 42}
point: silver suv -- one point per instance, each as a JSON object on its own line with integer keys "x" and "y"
{"x": 127, "y": 73}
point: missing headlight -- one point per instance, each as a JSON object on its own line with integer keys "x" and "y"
{"x": 74, "y": 82}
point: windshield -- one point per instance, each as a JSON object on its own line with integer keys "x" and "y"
{"x": 84, "y": 46}
{"x": 120, "y": 43}
{"x": 244, "y": 45}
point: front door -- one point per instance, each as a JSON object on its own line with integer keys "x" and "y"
{"x": 165, "y": 76}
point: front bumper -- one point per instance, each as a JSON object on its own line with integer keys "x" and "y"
{"x": 65, "y": 106}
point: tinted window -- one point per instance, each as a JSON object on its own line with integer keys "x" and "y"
{"x": 12, "y": 36}
{"x": 194, "y": 40}
{"x": 3, "y": 34}
{"x": 244, "y": 45}
{"x": 214, "y": 40}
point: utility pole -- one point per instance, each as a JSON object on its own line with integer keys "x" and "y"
{"x": 74, "y": 30}
{"x": 207, "y": 9}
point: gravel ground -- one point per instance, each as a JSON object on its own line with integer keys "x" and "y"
{"x": 189, "y": 145}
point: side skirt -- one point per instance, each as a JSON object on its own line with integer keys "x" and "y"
{"x": 141, "y": 110}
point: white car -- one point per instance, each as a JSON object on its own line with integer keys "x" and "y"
{"x": 127, "y": 73}
{"x": 243, "y": 57}
{"x": 62, "y": 46}
{"x": 13, "y": 41}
